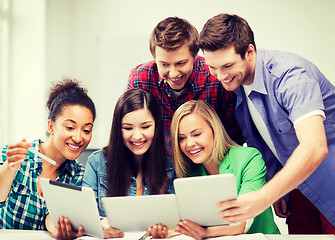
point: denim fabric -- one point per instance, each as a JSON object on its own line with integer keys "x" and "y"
{"x": 95, "y": 177}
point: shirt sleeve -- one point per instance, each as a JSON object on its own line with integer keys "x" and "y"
{"x": 3, "y": 155}
{"x": 131, "y": 78}
{"x": 172, "y": 176}
{"x": 139, "y": 77}
{"x": 3, "y": 159}
{"x": 90, "y": 178}
{"x": 299, "y": 93}
{"x": 310, "y": 114}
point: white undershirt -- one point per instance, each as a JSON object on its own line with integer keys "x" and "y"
{"x": 260, "y": 125}
{"x": 248, "y": 224}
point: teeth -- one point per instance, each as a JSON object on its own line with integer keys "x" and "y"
{"x": 227, "y": 80}
{"x": 138, "y": 143}
{"x": 175, "y": 79}
{"x": 73, "y": 146}
{"x": 195, "y": 151}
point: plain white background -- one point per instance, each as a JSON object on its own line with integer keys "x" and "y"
{"x": 99, "y": 41}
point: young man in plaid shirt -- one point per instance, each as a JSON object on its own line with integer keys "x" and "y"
{"x": 177, "y": 75}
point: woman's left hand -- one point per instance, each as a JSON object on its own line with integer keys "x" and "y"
{"x": 157, "y": 231}
{"x": 191, "y": 229}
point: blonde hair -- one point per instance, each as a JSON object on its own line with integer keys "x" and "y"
{"x": 222, "y": 142}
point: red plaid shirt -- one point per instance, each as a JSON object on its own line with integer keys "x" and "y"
{"x": 201, "y": 85}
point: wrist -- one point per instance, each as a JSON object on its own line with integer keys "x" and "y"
{"x": 268, "y": 194}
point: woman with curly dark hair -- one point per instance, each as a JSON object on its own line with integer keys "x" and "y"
{"x": 70, "y": 123}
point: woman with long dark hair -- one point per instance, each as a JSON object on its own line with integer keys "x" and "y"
{"x": 135, "y": 161}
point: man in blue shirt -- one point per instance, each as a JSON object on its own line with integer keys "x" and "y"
{"x": 286, "y": 109}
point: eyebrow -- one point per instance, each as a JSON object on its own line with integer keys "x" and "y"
{"x": 224, "y": 65}
{"x": 183, "y": 60}
{"x": 191, "y": 131}
{"x": 209, "y": 65}
{"x": 70, "y": 120}
{"x": 228, "y": 63}
{"x": 195, "y": 130}
{"x": 140, "y": 124}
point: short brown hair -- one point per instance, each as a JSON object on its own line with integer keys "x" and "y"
{"x": 224, "y": 31}
{"x": 173, "y": 32}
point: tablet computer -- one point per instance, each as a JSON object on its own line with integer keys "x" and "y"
{"x": 137, "y": 213}
{"x": 76, "y": 203}
{"x": 197, "y": 197}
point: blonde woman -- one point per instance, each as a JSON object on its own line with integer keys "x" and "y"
{"x": 201, "y": 146}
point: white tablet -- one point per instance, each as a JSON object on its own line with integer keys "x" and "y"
{"x": 137, "y": 213}
{"x": 197, "y": 197}
{"x": 76, "y": 203}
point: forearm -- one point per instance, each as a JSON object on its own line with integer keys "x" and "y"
{"x": 226, "y": 230}
{"x": 7, "y": 176}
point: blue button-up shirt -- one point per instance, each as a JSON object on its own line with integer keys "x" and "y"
{"x": 285, "y": 88}
{"x": 95, "y": 177}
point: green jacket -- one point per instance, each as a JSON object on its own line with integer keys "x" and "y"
{"x": 249, "y": 169}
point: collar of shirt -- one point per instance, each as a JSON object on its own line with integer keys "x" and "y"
{"x": 224, "y": 167}
{"x": 258, "y": 84}
{"x": 69, "y": 168}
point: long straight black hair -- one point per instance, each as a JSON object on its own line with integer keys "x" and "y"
{"x": 121, "y": 165}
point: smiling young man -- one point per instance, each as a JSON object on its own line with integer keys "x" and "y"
{"x": 285, "y": 107}
{"x": 177, "y": 75}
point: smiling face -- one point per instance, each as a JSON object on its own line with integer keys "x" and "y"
{"x": 138, "y": 130}
{"x": 71, "y": 132}
{"x": 195, "y": 138}
{"x": 175, "y": 66}
{"x": 229, "y": 67}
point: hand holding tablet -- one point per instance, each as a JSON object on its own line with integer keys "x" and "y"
{"x": 76, "y": 203}
{"x": 195, "y": 200}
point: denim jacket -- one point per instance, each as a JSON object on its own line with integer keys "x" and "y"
{"x": 95, "y": 177}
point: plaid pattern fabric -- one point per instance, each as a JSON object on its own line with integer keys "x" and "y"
{"x": 24, "y": 207}
{"x": 201, "y": 85}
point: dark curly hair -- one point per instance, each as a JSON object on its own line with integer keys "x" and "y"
{"x": 68, "y": 92}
